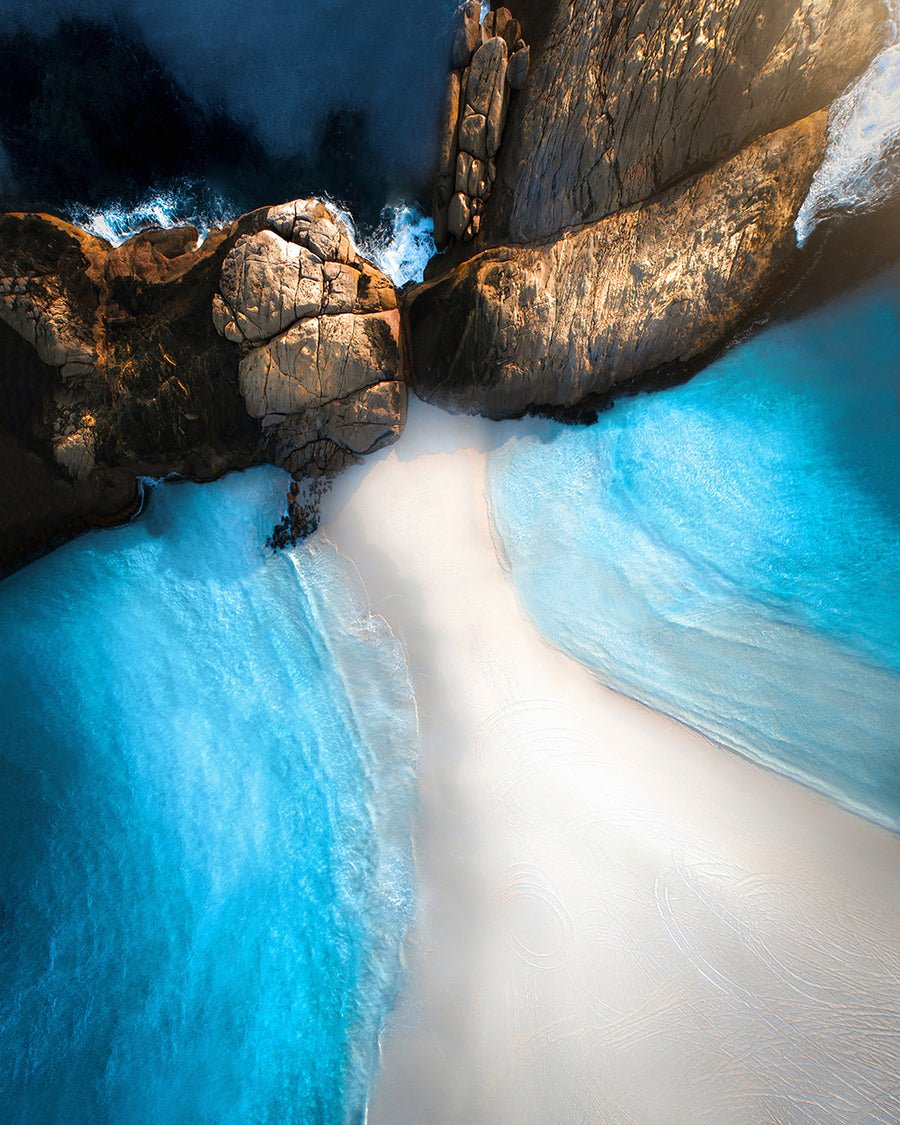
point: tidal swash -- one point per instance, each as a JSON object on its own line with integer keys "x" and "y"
{"x": 728, "y": 550}
{"x": 208, "y": 778}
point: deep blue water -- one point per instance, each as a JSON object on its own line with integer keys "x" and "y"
{"x": 224, "y": 106}
{"x": 207, "y": 780}
{"x": 729, "y": 550}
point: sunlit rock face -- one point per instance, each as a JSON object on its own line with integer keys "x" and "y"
{"x": 643, "y": 201}
{"x": 489, "y": 61}
{"x": 320, "y": 333}
{"x": 271, "y": 341}
{"x": 110, "y": 369}
{"x": 654, "y": 92}
{"x": 557, "y": 322}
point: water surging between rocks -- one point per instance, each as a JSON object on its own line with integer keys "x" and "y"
{"x": 208, "y": 756}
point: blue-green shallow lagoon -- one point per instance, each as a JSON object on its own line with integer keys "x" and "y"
{"x": 728, "y": 551}
{"x": 208, "y": 762}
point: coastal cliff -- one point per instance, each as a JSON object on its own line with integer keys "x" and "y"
{"x": 638, "y": 214}
{"x": 648, "y": 93}
{"x": 617, "y": 185}
{"x": 129, "y": 361}
{"x": 559, "y": 322}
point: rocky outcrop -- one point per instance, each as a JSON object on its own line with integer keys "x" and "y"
{"x": 560, "y": 322}
{"x": 644, "y": 198}
{"x": 110, "y": 369}
{"x": 319, "y": 331}
{"x": 159, "y": 356}
{"x": 489, "y": 60}
{"x": 641, "y": 203}
{"x": 623, "y": 99}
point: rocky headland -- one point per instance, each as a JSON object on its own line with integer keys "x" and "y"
{"x": 643, "y": 199}
{"x": 273, "y": 341}
{"x": 616, "y": 189}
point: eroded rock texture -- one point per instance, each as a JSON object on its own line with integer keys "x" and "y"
{"x": 556, "y": 323}
{"x": 627, "y": 97}
{"x": 644, "y": 197}
{"x": 320, "y": 335}
{"x": 489, "y": 60}
{"x": 112, "y": 367}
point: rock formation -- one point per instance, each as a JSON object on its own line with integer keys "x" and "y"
{"x": 489, "y": 59}
{"x": 558, "y": 323}
{"x": 112, "y": 368}
{"x": 642, "y": 201}
{"x": 644, "y": 197}
{"x": 319, "y": 330}
{"x": 645, "y": 93}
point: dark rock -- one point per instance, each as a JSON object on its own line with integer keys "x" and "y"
{"x": 459, "y": 215}
{"x": 517, "y": 70}
{"x": 446, "y": 164}
{"x": 467, "y": 35}
{"x": 304, "y": 509}
{"x": 129, "y": 377}
{"x": 474, "y": 117}
{"x": 112, "y": 367}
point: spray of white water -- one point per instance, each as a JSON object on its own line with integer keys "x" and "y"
{"x": 170, "y": 207}
{"x": 859, "y": 169}
{"x": 402, "y": 245}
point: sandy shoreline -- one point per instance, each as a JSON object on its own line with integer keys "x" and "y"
{"x": 618, "y": 921}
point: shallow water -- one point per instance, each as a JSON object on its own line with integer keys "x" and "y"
{"x": 208, "y": 781}
{"x": 729, "y": 550}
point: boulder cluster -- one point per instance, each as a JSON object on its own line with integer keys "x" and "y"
{"x": 489, "y": 59}
{"x": 641, "y": 205}
{"x": 319, "y": 331}
{"x": 270, "y": 341}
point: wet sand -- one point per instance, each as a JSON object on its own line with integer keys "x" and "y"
{"x": 618, "y": 921}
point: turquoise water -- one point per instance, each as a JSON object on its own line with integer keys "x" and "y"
{"x": 729, "y": 550}
{"x": 208, "y": 778}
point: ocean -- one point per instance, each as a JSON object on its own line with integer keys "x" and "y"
{"x": 208, "y": 775}
{"x": 728, "y": 551}
{"x": 209, "y": 751}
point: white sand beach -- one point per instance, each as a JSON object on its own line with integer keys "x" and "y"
{"x": 618, "y": 921}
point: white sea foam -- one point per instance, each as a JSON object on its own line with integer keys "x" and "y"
{"x": 402, "y": 245}
{"x": 178, "y": 205}
{"x": 859, "y": 169}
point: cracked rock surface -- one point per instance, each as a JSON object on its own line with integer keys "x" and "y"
{"x": 490, "y": 59}
{"x": 625, "y": 98}
{"x": 146, "y": 359}
{"x": 559, "y": 322}
{"x": 320, "y": 333}
{"x": 643, "y": 200}
{"x": 110, "y": 369}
